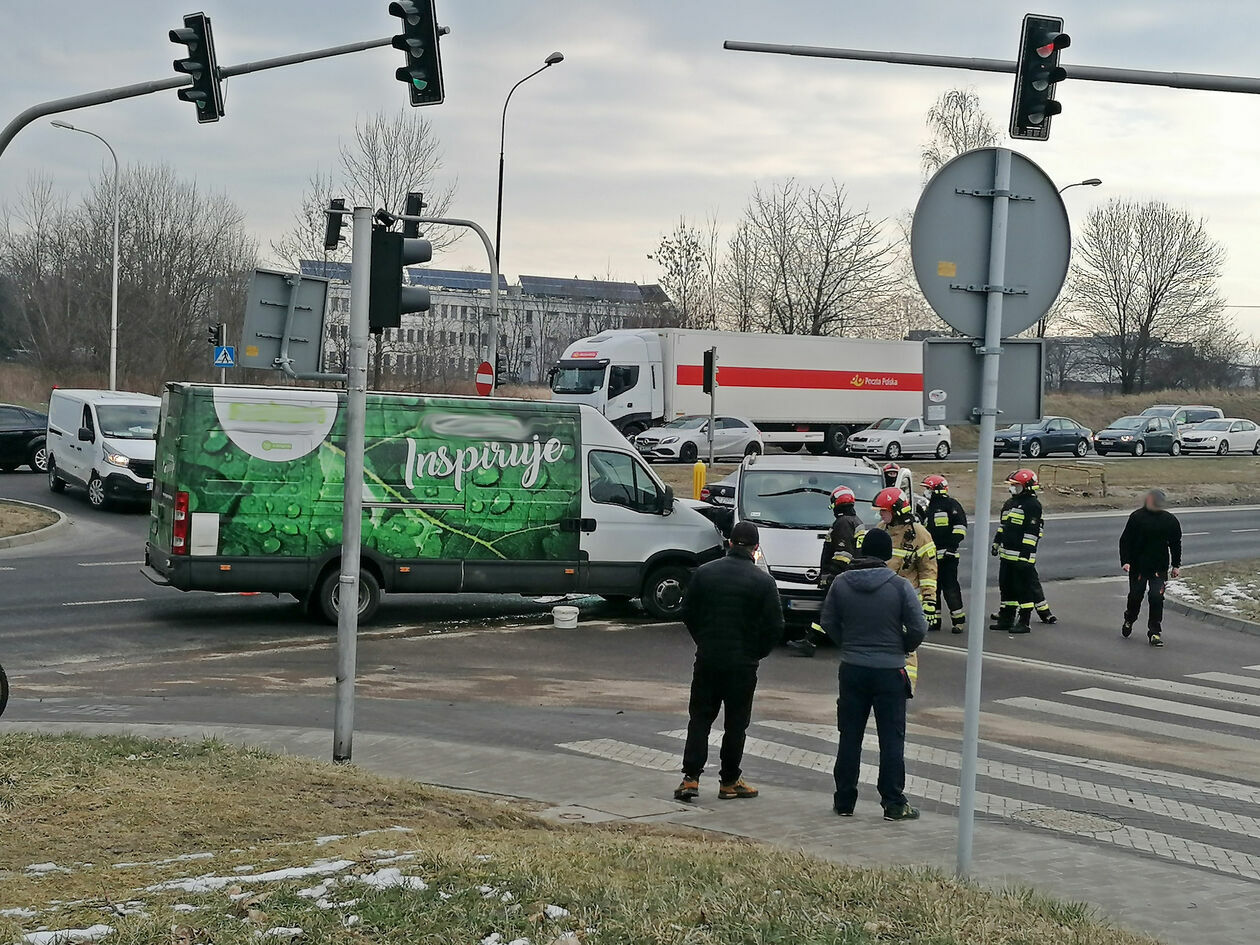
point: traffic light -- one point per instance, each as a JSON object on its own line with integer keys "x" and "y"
{"x": 388, "y": 298}
{"x": 710, "y": 370}
{"x": 332, "y": 223}
{"x": 413, "y": 208}
{"x": 419, "y": 40}
{"x": 215, "y": 334}
{"x": 1038, "y": 71}
{"x": 205, "y": 91}
{"x": 500, "y": 369}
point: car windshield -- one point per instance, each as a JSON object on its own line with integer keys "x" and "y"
{"x": 577, "y": 380}
{"x": 802, "y": 498}
{"x": 1214, "y": 425}
{"x": 1159, "y": 411}
{"x": 1129, "y": 423}
{"x": 888, "y": 423}
{"x": 128, "y": 422}
{"x": 686, "y": 423}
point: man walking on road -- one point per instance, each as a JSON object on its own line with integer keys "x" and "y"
{"x": 733, "y": 612}
{"x": 875, "y": 618}
{"x": 1149, "y": 546}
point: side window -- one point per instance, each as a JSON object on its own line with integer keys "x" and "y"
{"x": 619, "y": 479}
{"x": 1237, "y": 427}
{"x": 914, "y": 426}
{"x": 1248, "y": 426}
{"x": 87, "y": 419}
{"x": 729, "y": 423}
{"x": 1056, "y": 425}
{"x": 622, "y": 378}
{"x": 11, "y": 418}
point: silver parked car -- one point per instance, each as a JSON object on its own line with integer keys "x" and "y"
{"x": 687, "y": 439}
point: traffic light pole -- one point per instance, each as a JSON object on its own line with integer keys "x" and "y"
{"x": 56, "y": 106}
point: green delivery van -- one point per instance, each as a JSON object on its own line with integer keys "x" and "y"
{"x": 460, "y": 494}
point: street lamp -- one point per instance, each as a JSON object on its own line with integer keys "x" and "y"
{"x": 113, "y": 307}
{"x": 1090, "y": 182}
{"x": 550, "y": 61}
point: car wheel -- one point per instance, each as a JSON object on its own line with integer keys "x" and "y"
{"x": 893, "y": 451}
{"x": 1223, "y": 448}
{"x": 752, "y": 449}
{"x": 663, "y": 591}
{"x": 38, "y": 460}
{"x": 1101, "y": 452}
{"x": 942, "y": 450}
{"x": 1139, "y": 448}
{"x": 1034, "y": 449}
{"x": 1082, "y": 448}
{"x": 688, "y": 453}
{"x": 790, "y": 447}
{"x": 4, "y": 690}
{"x": 1255, "y": 450}
{"x": 1176, "y": 448}
{"x": 55, "y": 482}
{"x": 328, "y": 595}
{"x": 96, "y": 492}
{"x": 837, "y": 440}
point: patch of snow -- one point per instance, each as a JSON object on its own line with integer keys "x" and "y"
{"x": 18, "y": 913}
{"x": 134, "y": 907}
{"x": 287, "y": 933}
{"x": 395, "y": 858}
{"x": 519, "y": 941}
{"x": 349, "y": 904}
{"x": 183, "y": 907}
{"x": 351, "y": 921}
{"x": 211, "y": 883}
{"x": 243, "y": 869}
{"x": 555, "y": 912}
{"x": 331, "y": 838}
{"x": 444, "y": 896}
{"x": 325, "y": 904}
{"x": 93, "y": 933}
{"x": 483, "y": 857}
{"x": 315, "y": 892}
{"x": 494, "y": 938}
{"x": 390, "y": 878}
{"x": 43, "y": 869}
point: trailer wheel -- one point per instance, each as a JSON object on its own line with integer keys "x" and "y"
{"x": 837, "y": 440}
{"x": 328, "y": 594}
{"x": 663, "y": 591}
{"x": 791, "y": 447}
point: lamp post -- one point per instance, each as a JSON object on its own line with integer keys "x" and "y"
{"x": 113, "y": 305}
{"x": 1090, "y": 182}
{"x": 550, "y": 61}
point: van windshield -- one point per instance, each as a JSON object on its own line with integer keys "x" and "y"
{"x": 802, "y": 499}
{"x": 128, "y": 422}
{"x": 578, "y": 380}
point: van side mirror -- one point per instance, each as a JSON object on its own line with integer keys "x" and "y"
{"x": 85, "y": 435}
{"x": 665, "y": 501}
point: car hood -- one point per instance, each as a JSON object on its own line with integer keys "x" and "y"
{"x": 133, "y": 449}
{"x": 1119, "y": 431}
{"x": 868, "y": 435}
{"x": 792, "y": 549}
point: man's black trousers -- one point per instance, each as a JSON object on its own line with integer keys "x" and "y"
{"x": 714, "y": 685}
{"x": 863, "y": 688}
{"x": 1152, "y": 585}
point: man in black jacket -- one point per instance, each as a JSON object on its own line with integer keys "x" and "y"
{"x": 1149, "y": 545}
{"x": 733, "y": 612}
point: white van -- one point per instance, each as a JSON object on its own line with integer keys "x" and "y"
{"x": 103, "y": 441}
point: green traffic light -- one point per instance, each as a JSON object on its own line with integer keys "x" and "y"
{"x": 420, "y": 84}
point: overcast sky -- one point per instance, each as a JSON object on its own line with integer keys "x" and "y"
{"x": 648, "y": 117}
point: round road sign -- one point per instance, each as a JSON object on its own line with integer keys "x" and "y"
{"x": 485, "y": 378}
{"x": 949, "y": 242}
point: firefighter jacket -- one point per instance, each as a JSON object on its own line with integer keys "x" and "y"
{"x": 840, "y": 546}
{"x": 946, "y": 522}
{"x": 1020, "y": 529}
{"x": 914, "y": 558}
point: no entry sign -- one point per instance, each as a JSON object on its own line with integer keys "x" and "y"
{"x": 485, "y": 378}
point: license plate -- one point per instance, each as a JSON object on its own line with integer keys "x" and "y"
{"x": 804, "y": 605}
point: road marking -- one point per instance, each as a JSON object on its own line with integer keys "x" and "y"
{"x": 1240, "y": 531}
{"x": 1183, "y": 709}
{"x": 8, "y": 569}
{"x": 1081, "y": 541}
{"x": 107, "y": 564}
{"x": 1194, "y": 534}
{"x": 86, "y": 603}
{"x": 1251, "y": 682}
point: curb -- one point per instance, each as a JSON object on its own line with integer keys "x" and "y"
{"x": 1212, "y": 617}
{"x": 30, "y": 538}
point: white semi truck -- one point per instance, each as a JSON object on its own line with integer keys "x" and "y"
{"x": 800, "y": 390}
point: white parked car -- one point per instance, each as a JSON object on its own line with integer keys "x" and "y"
{"x": 1227, "y": 435}
{"x": 687, "y": 439}
{"x": 893, "y": 437}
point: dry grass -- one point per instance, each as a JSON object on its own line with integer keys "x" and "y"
{"x": 487, "y": 868}
{"x": 18, "y": 519}
{"x": 1231, "y": 588}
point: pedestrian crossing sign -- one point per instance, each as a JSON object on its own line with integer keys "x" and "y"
{"x": 225, "y": 356}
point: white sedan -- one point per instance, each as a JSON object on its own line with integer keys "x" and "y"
{"x": 894, "y": 437}
{"x": 1228, "y": 435}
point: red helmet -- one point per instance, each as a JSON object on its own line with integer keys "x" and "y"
{"x": 891, "y": 469}
{"x": 842, "y": 495}
{"x": 936, "y": 483}
{"x": 894, "y": 500}
{"x": 1023, "y": 477}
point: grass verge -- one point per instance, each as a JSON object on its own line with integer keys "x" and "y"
{"x": 182, "y": 843}
{"x": 18, "y": 519}
{"x": 1231, "y": 588}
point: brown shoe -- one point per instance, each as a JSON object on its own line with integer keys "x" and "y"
{"x": 740, "y": 788}
{"x": 689, "y": 790}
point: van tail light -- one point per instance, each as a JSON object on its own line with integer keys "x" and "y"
{"x": 179, "y": 526}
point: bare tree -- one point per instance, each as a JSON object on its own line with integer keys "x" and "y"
{"x": 684, "y": 268}
{"x": 1144, "y": 275}
{"x": 1066, "y": 361}
{"x": 737, "y": 279}
{"x": 956, "y": 123}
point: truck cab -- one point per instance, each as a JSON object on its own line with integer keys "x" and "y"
{"x": 617, "y": 373}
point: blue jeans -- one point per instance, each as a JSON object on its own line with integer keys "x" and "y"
{"x": 862, "y": 689}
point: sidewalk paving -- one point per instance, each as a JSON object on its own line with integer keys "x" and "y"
{"x": 1179, "y": 905}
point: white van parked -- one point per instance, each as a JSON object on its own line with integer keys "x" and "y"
{"x": 102, "y": 441}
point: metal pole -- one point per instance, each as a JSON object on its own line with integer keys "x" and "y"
{"x": 352, "y": 503}
{"x": 984, "y": 497}
{"x": 498, "y": 216}
{"x": 712, "y": 406}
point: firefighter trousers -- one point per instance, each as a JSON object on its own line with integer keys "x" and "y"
{"x": 949, "y": 590}
{"x": 1016, "y": 580}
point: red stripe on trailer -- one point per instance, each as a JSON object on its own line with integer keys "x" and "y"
{"x": 692, "y": 375}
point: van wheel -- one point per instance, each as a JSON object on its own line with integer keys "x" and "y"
{"x": 55, "y": 482}
{"x": 328, "y": 595}
{"x": 96, "y": 492}
{"x": 663, "y": 591}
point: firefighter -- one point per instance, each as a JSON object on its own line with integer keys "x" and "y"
{"x": 914, "y": 556}
{"x": 946, "y": 521}
{"x": 891, "y": 473}
{"x": 1040, "y": 604}
{"x": 838, "y": 551}
{"x": 1016, "y": 547}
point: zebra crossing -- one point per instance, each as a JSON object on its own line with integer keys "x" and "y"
{"x": 1198, "y": 819}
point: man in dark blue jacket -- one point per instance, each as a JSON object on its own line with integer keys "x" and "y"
{"x": 875, "y": 618}
{"x": 733, "y": 612}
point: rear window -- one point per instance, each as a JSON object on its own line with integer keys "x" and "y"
{"x": 1198, "y": 416}
{"x": 1159, "y": 411}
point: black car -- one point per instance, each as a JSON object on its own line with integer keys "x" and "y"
{"x": 1050, "y": 435}
{"x": 721, "y": 492}
{"x": 22, "y": 433}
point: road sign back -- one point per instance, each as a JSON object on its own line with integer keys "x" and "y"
{"x": 225, "y": 356}
{"x": 949, "y": 242}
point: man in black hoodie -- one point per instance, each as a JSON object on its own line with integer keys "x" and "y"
{"x": 733, "y": 612}
{"x": 875, "y": 617}
{"x": 1150, "y": 550}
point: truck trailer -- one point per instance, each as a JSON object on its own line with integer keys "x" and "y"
{"x": 799, "y": 390}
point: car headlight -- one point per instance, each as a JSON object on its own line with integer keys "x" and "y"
{"x": 759, "y": 560}
{"x": 117, "y": 459}
{"x": 1126, "y": 437}
{"x": 670, "y": 439}
{"x": 1212, "y": 439}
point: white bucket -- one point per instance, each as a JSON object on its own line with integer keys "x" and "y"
{"x": 565, "y": 618}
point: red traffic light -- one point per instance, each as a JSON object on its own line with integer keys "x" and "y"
{"x": 1054, "y": 42}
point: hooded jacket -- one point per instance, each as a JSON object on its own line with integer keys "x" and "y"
{"x": 873, "y": 616}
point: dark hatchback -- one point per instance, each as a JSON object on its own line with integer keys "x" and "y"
{"x": 22, "y": 433}
{"x": 1050, "y": 435}
{"x": 1139, "y": 435}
